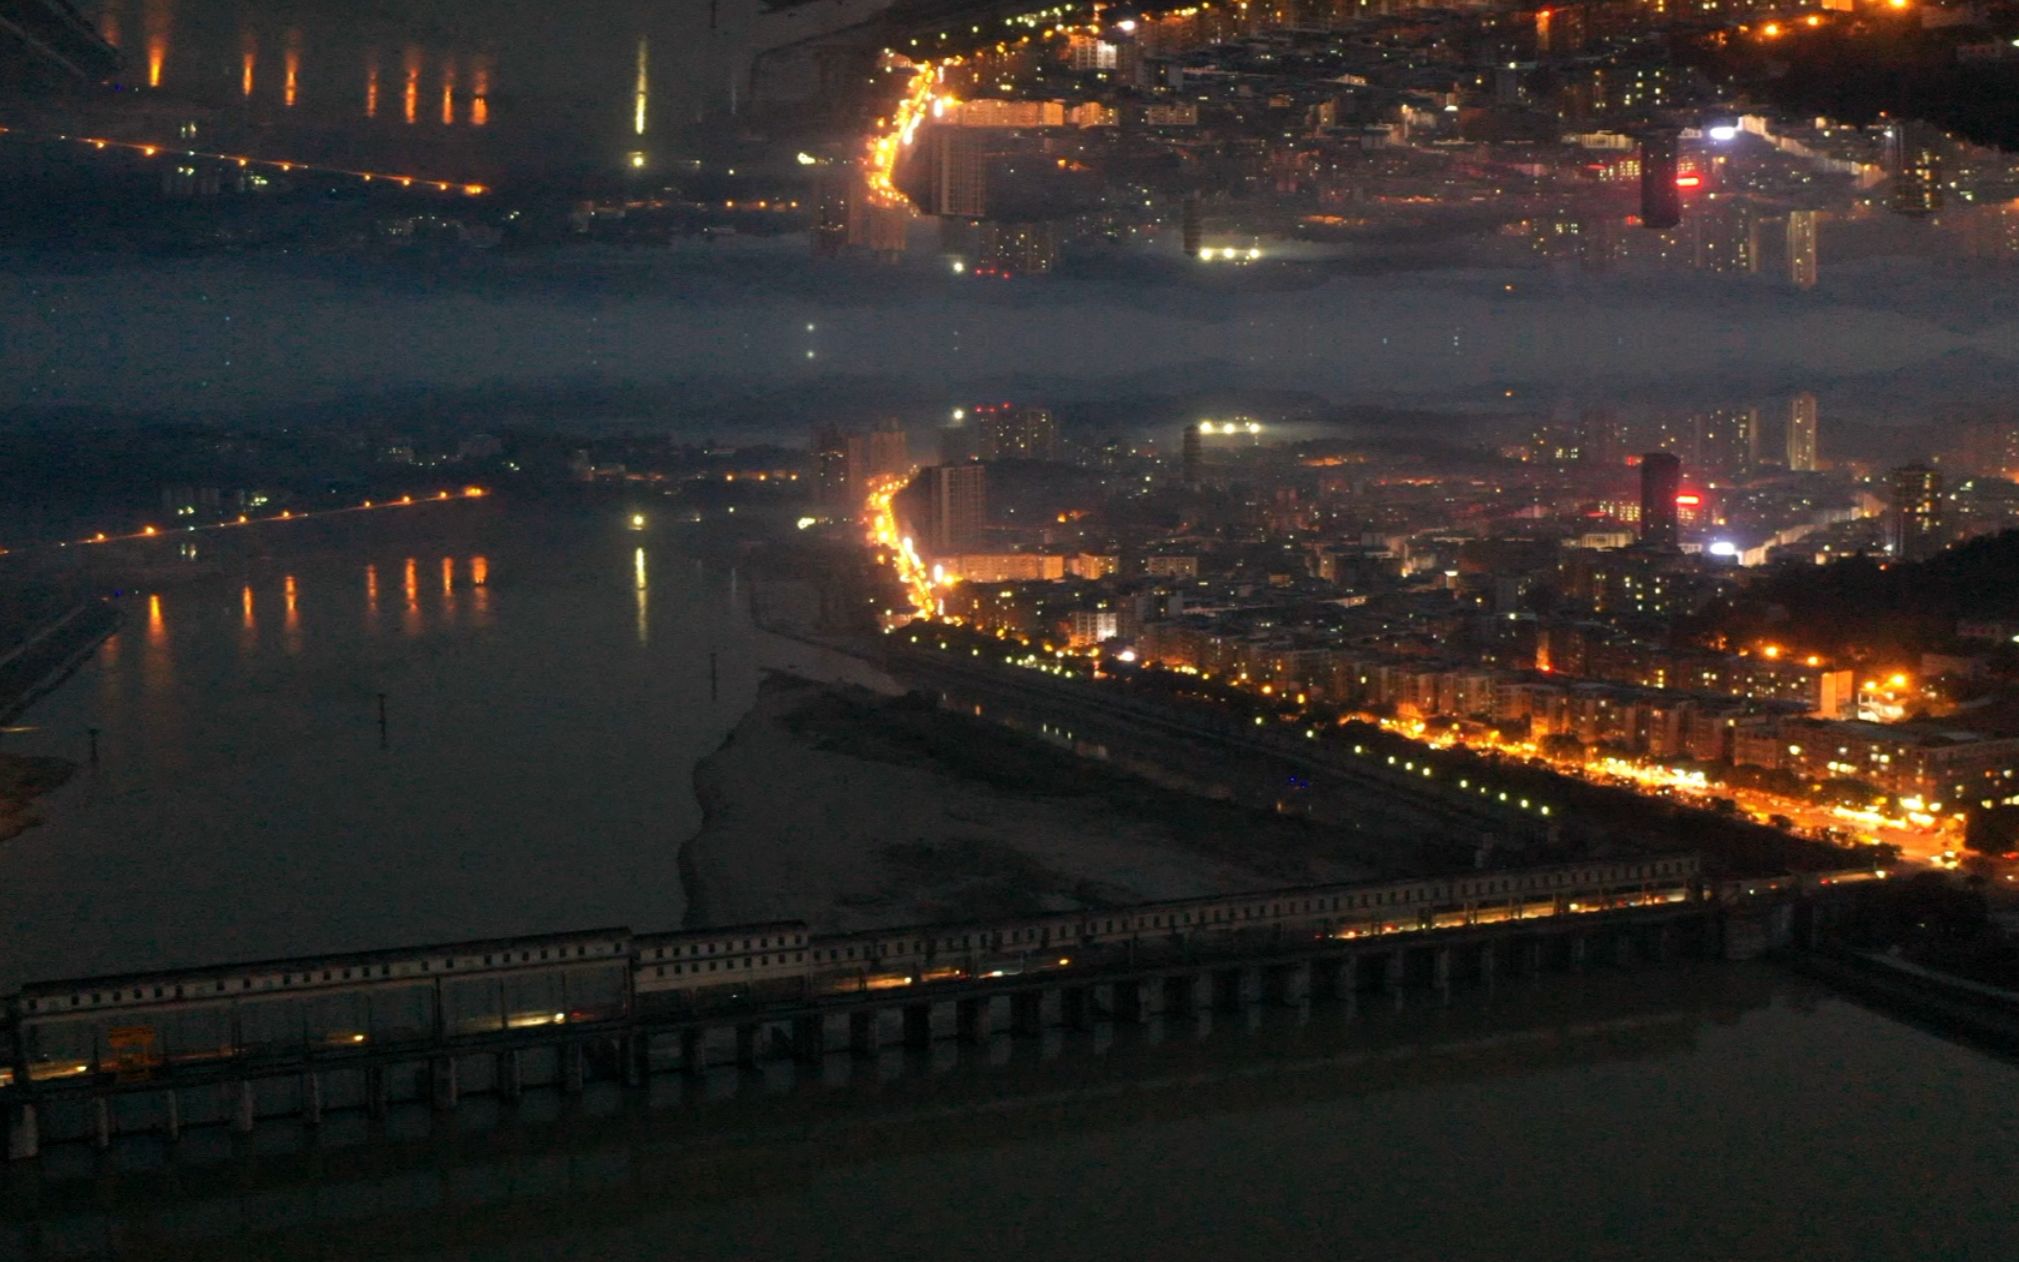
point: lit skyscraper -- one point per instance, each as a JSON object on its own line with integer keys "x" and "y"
{"x": 1194, "y": 454}
{"x": 1660, "y": 483}
{"x": 1915, "y": 527}
{"x": 1802, "y": 259}
{"x": 1914, "y": 152}
{"x": 1804, "y": 447}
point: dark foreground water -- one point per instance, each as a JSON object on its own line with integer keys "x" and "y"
{"x": 1705, "y": 1112}
{"x": 548, "y": 687}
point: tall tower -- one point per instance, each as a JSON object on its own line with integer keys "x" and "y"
{"x": 1194, "y": 454}
{"x": 1915, "y": 527}
{"x": 1193, "y": 230}
{"x": 956, "y": 506}
{"x": 1802, "y": 259}
{"x": 1803, "y": 437}
{"x": 1660, "y": 483}
{"x": 1914, "y": 152}
{"x": 1660, "y": 197}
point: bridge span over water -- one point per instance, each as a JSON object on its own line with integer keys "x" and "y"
{"x": 92, "y": 1058}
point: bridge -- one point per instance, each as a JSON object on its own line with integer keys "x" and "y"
{"x": 48, "y": 39}
{"x": 90, "y": 1059}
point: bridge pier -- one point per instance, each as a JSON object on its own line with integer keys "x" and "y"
{"x": 1234, "y": 988}
{"x": 1489, "y": 963}
{"x": 971, "y": 1021}
{"x": 376, "y": 1090}
{"x": 1440, "y": 972}
{"x": 24, "y": 1134}
{"x": 809, "y": 1039}
{"x": 101, "y": 1123}
{"x": 171, "y": 1115}
{"x": 631, "y": 1059}
{"x": 571, "y": 1068}
{"x": 1288, "y": 984}
{"x": 862, "y": 1033}
{"x": 1578, "y": 949}
{"x": 1129, "y": 1004}
{"x": 746, "y": 1044}
{"x": 241, "y": 1106}
{"x": 442, "y": 1090}
{"x": 1027, "y": 1013}
{"x": 1076, "y": 1005}
{"x": 311, "y": 1098}
{"x": 918, "y": 1026}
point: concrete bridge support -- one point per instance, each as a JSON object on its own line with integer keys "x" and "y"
{"x": 311, "y": 1099}
{"x": 1234, "y": 989}
{"x": 1288, "y": 984}
{"x": 809, "y": 1039}
{"x": 241, "y": 1107}
{"x": 746, "y": 1045}
{"x": 1440, "y": 972}
{"x": 862, "y": 1033}
{"x": 1027, "y": 1013}
{"x": 376, "y": 1091}
{"x": 1076, "y": 1005}
{"x": 918, "y": 1026}
{"x": 24, "y": 1132}
{"x": 171, "y": 1115}
{"x": 1130, "y": 1005}
{"x": 571, "y": 1068}
{"x": 971, "y": 1021}
{"x": 101, "y": 1122}
{"x": 443, "y": 1087}
{"x": 1489, "y": 963}
{"x": 1578, "y": 949}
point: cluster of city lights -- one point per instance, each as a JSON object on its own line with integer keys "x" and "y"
{"x": 273, "y": 164}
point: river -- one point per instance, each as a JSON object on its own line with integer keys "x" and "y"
{"x": 547, "y": 677}
{"x": 1700, "y": 1112}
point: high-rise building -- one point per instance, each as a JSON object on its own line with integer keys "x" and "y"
{"x": 956, "y": 506}
{"x": 959, "y": 173}
{"x": 1914, "y": 529}
{"x": 1728, "y": 442}
{"x": 1914, "y": 155}
{"x": 1660, "y": 196}
{"x": 1194, "y": 455}
{"x": 880, "y": 453}
{"x": 1726, "y": 238}
{"x": 1597, "y": 438}
{"x": 831, "y": 486}
{"x": 1988, "y": 447}
{"x": 1009, "y": 432}
{"x": 1804, "y": 446}
{"x": 845, "y": 463}
{"x": 1193, "y": 227}
{"x": 1660, "y": 483}
{"x": 1802, "y": 259}
{"x": 1012, "y": 249}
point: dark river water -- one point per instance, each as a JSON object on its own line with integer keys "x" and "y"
{"x": 548, "y": 689}
{"x": 1701, "y": 1112}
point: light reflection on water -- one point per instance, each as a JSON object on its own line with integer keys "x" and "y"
{"x": 538, "y": 776}
{"x": 1711, "y": 1111}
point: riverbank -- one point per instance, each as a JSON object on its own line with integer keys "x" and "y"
{"x": 849, "y": 811}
